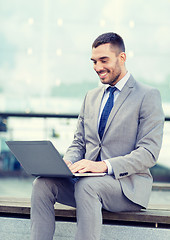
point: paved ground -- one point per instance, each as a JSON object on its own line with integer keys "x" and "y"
{"x": 18, "y": 229}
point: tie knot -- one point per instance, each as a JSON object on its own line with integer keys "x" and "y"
{"x": 112, "y": 89}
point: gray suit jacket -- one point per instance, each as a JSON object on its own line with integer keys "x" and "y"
{"x": 132, "y": 138}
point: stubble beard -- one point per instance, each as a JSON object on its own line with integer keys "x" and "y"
{"x": 112, "y": 79}
{"x": 115, "y": 79}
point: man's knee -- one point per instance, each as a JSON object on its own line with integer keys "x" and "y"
{"x": 42, "y": 187}
{"x": 40, "y": 183}
{"x": 85, "y": 186}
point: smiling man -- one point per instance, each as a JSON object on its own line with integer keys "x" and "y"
{"x": 119, "y": 132}
{"x": 109, "y": 62}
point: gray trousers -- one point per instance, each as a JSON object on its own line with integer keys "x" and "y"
{"x": 89, "y": 195}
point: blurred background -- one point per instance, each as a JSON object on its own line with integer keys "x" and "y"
{"x": 45, "y": 70}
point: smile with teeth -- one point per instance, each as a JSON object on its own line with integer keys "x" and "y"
{"x": 102, "y": 74}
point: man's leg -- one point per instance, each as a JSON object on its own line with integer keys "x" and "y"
{"x": 91, "y": 195}
{"x": 46, "y": 191}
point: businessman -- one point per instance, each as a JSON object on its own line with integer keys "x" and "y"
{"x": 119, "y": 131}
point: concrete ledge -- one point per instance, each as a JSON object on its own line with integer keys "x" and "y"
{"x": 153, "y": 215}
{"x": 160, "y": 186}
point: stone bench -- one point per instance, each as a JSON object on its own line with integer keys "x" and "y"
{"x": 154, "y": 216}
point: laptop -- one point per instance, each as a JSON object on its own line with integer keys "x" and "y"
{"x": 41, "y": 158}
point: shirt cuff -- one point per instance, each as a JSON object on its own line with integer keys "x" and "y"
{"x": 109, "y": 167}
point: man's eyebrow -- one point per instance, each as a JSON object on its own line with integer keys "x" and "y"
{"x": 101, "y": 58}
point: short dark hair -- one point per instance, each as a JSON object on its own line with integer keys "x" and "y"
{"x": 113, "y": 38}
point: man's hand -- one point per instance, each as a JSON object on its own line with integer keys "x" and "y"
{"x": 67, "y": 162}
{"x": 85, "y": 165}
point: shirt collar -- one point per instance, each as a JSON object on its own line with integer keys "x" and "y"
{"x": 119, "y": 85}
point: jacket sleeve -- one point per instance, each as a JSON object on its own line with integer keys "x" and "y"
{"x": 76, "y": 150}
{"x": 148, "y": 140}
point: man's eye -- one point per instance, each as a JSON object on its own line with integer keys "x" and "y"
{"x": 104, "y": 61}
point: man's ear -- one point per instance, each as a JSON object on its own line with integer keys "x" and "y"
{"x": 122, "y": 57}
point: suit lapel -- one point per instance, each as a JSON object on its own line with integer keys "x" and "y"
{"x": 120, "y": 100}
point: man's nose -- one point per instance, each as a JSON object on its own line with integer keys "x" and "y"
{"x": 98, "y": 67}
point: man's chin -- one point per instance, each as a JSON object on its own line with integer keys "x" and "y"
{"x": 104, "y": 81}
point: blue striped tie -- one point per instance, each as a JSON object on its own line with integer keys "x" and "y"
{"x": 105, "y": 114}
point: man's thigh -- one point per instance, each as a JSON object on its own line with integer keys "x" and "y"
{"x": 60, "y": 189}
{"x": 109, "y": 192}
{"x": 65, "y": 195}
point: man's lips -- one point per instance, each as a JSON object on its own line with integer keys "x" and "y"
{"x": 102, "y": 74}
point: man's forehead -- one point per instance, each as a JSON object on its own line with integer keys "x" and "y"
{"x": 103, "y": 51}
{"x": 95, "y": 58}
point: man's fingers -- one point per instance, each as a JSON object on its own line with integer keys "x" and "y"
{"x": 68, "y": 162}
{"x": 78, "y": 166}
{"x": 75, "y": 169}
{"x": 85, "y": 165}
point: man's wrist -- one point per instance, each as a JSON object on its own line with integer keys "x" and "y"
{"x": 105, "y": 168}
{"x": 109, "y": 167}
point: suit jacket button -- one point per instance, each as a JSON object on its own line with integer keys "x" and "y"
{"x": 123, "y": 174}
{"x": 100, "y": 145}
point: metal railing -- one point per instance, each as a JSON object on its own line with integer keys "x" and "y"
{"x": 43, "y": 115}
{"x": 36, "y": 115}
